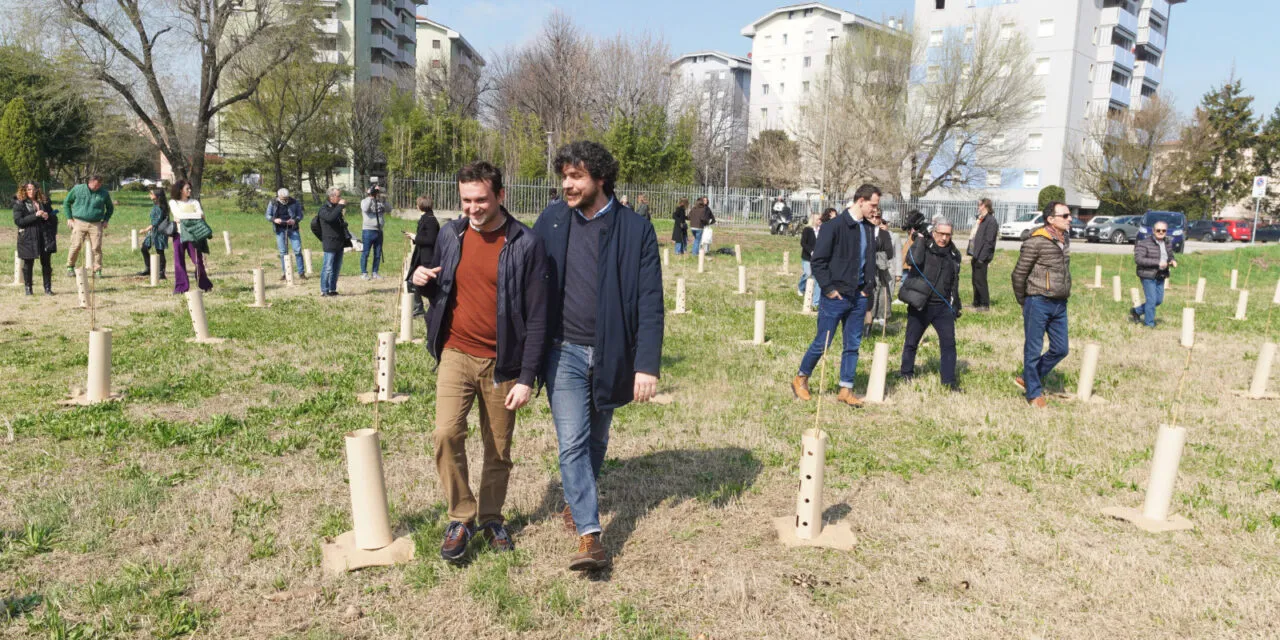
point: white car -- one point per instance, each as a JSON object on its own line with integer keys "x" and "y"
{"x": 1022, "y": 227}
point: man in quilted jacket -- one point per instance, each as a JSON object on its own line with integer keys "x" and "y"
{"x": 1042, "y": 285}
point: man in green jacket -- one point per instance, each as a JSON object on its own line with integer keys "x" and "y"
{"x": 88, "y": 208}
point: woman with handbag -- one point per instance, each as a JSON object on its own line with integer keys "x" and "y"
{"x": 37, "y": 234}
{"x": 932, "y": 294}
{"x": 157, "y": 233}
{"x": 192, "y": 239}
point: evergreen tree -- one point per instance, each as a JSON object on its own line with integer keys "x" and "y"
{"x": 1051, "y": 193}
{"x": 1219, "y": 168}
{"x": 19, "y": 143}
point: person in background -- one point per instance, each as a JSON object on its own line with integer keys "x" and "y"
{"x": 935, "y": 301}
{"x": 1153, "y": 256}
{"x": 699, "y": 219}
{"x": 285, "y": 214}
{"x": 642, "y": 207}
{"x": 680, "y": 226}
{"x": 553, "y": 196}
{"x": 982, "y": 250}
{"x": 879, "y": 310}
{"x": 373, "y": 210}
{"x": 424, "y": 246}
{"x": 186, "y": 210}
{"x": 155, "y": 240}
{"x": 1042, "y": 286}
{"x": 623, "y": 201}
{"x": 89, "y": 208}
{"x": 37, "y": 234}
{"x": 334, "y": 238}
{"x": 809, "y": 239}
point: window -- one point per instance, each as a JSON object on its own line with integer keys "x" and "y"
{"x": 720, "y": 95}
{"x": 1006, "y": 30}
{"x": 934, "y": 74}
{"x": 1042, "y": 66}
{"x": 784, "y": 38}
{"x": 935, "y": 38}
{"x": 764, "y": 116}
{"x": 764, "y": 89}
{"x": 808, "y": 36}
{"x": 940, "y": 4}
{"x": 1157, "y": 24}
{"x": 804, "y": 87}
{"x": 706, "y": 75}
{"x": 435, "y": 44}
{"x": 1091, "y": 72}
{"x": 1031, "y": 180}
{"x": 993, "y": 179}
{"x": 782, "y": 64}
{"x": 826, "y": 59}
{"x": 808, "y": 12}
{"x": 1046, "y": 28}
{"x": 1038, "y": 106}
{"x": 968, "y": 35}
{"x": 722, "y": 75}
{"x": 782, "y": 88}
{"x": 1035, "y": 142}
{"x": 768, "y": 40}
{"x": 435, "y": 64}
{"x": 808, "y": 62}
{"x": 764, "y": 63}
{"x": 998, "y": 141}
{"x": 1119, "y": 77}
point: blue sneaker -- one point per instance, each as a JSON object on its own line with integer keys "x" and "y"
{"x": 499, "y": 539}
{"x": 456, "y": 538}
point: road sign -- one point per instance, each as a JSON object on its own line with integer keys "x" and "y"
{"x": 1260, "y": 187}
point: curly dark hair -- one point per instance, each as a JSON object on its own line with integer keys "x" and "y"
{"x": 591, "y": 156}
{"x": 481, "y": 171}
{"x": 175, "y": 191}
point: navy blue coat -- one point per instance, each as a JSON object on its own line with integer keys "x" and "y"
{"x": 629, "y": 306}
{"x": 835, "y": 257}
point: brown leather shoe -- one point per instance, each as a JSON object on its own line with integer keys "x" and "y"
{"x": 591, "y": 555}
{"x": 847, "y": 397}
{"x": 1021, "y": 384}
{"x": 1038, "y": 402}
{"x": 800, "y": 387}
{"x": 569, "y": 526}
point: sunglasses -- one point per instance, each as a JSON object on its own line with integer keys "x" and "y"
{"x": 1162, "y": 230}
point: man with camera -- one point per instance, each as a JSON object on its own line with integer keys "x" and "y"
{"x": 932, "y": 294}
{"x": 285, "y": 214}
{"x": 1042, "y": 285}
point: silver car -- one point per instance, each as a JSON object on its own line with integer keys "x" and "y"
{"x": 1118, "y": 230}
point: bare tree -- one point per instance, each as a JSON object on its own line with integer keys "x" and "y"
{"x": 720, "y": 112}
{"x": 462, "y": 88}
{"x": 552, "y": 78}
{"x": 1118, "y": 159}
{"x": 369, "y": 104}
{"x": 630, "y": 75}
{"x": 126, "y": 43}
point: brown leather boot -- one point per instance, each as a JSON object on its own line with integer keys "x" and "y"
{"x": 591, "y": 555}
{"x": 567, "y": 517}
{"x": 846, "y": 396}
{"x": 800, "y": 387}
{"x": 1038, "y": 402}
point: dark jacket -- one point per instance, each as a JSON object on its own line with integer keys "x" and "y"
{"x": 522, "y": 299}
{"x": 1044, "y": 267}
{"x": 35, "y": 236}
{"x": 940, "y": 266}
{"x": 701, "y": 217}
{"x": 680, "y": 226}
{"x": 424, "y": 242}
{"x": 1146, "y": 254}
{"x": 629, "y": 317}
{"x": 291, "y": 210}
{"x": 643, "y": 212}
{"x": 884, "y": 244}
{"x": 808, "y": 238}
{"x": 835, "y": 257}
{"x": 333, "y": 227}
{"x": 982, "y": 246}
{"x": 155, "y": 240}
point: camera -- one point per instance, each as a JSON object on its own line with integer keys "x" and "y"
{"x": 915, "y": 223}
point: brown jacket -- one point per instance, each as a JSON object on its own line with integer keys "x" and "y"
{"x": 1044, "y": 267}
{"x": 701, "y": 217}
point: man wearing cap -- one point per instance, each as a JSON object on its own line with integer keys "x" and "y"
{"x": 285, "y": 214}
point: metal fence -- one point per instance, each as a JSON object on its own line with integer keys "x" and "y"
{"x": 735, "y": 206}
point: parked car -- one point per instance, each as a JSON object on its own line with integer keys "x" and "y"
{"x": 1177, "y": 227}
{"x": 1240, "y": 230}
{"x": 1117, "y": 230}
{"x": 1268, "y": 233}
{"x": 1207, "y": 231}
{"x": 1022, "y": 226}
{"x": 1077, "y": 228}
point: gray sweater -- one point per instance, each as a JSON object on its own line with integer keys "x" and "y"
{"x": 374, "y": 213}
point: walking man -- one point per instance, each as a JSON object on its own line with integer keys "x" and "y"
{"x": 844, "y": 264}
{"x": 487, "y": 330}
{"x": 982, "y": 250}
{"x": 285, "y": 214}
{"x": 933, "y": 300}
{"x": 1154, "y": 257}
{"x": 89, "y": 209}
{"x": 606, "y": 323}
{"x": 1042, "y": 285}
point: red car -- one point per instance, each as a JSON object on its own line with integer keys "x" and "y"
{"x": 1240, "y": 230}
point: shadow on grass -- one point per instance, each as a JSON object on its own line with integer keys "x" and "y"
{"x": 631, "y": 488}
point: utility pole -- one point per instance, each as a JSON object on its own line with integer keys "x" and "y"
{"x": 826, "y": 107}
{"x": 549, "y": 154}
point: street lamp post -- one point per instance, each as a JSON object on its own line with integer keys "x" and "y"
{"x": 826, "y": 107}
{"x": 725, "y": 206}
{"x": 549, "y": 154}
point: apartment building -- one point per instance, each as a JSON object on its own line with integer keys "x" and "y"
{"x": 447, "y": 62}
{"x": 1091, "y": 56}
{"x": 718, "y": 85}
{"x": 376, "y": 38}
{"x": 790, "y": 52}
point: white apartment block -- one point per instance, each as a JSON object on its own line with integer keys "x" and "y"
{"x": 376, "y": 38}
{"x": 790, "y": 52}
{"x": 1091, "y": 56}
{"x": 444, "y": 51}
{"x": 718, "y": 84}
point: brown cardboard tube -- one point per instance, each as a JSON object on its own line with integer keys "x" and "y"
{"x": 879, "y": 371}
{"x": 99, "y": 387}
{"x": 758, "y": 334}
{"x": 813, "y": 456}
{"x": 386, "y": 374}
{"x": 368, "y": 490}
{"x": 406, "y": 317}
{"x": 1088, "y": 370}
{"x": 195, "y": 305}
{"x": 155, "y": 268}
{"x": 82, "y": 288}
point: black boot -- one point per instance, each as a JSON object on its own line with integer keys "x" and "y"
{"x": 27, "y": 287}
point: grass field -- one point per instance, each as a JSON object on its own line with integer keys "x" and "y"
{"x": 196, "y": 506}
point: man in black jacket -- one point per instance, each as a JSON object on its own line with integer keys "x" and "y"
{"x": 844, "y": 264}
{"x": 334, "y": 239}
{"x": 982, "y": 250}
{"x": 487, "y": 330}
{"x": 606, "y": 322}
{"x": 424, "y": 246}
{"x": 1153, "y": 256}
{"x": 935, "y": 275}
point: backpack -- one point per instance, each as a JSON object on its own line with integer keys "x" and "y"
{"x": 315, "y": 227}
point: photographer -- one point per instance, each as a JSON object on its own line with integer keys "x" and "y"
{"x": 932, "y": 294}
{"x": 374, "y": 210}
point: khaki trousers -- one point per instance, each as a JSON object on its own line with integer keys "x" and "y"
{"x": 459, "y": 380}
{"x": 79, "y": 231}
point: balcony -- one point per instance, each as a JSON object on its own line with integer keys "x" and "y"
{"x": 330, "y": 26}
{"x": 380, "y": 70}
{"x": 383, "y": 13}
{"x": 1121, "y": 94}
{"x": 407, "y": 32}
{"x": 408, "y": 7}
{"x": 1151, "y": 38}
{"x": 1150, "y": 72}
{"x": 1160, "y": 7}
{"x": 331, "y": 57}
{"x": 379, "y": 41}
{"x": 1118, "y": 17}
{"x": 1116, "y": 54}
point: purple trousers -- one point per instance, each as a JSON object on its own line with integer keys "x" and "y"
{"x": 180, "y": 282}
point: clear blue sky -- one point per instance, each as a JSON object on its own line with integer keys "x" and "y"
{"x": 1206, "y": 37}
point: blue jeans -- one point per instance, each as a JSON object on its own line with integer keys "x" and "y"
{"x": 697, "y": 240}
{"x": 806, "y": 272}
{"x": 680, "y": 248}
{"x": 1153, "y": 289}
{"x": 329, "y": 272}
{"x": 1042, "y": 315}
{"x": 581, "y": 429}
{"x": 290, "y": 237}
{"x": 372, "y": 240}
{"x": 832, "y": 313}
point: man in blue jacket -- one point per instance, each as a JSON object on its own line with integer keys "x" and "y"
{"x": 844, "y": 264}
{"x": 605, "y": 323}
{"x": 285, "y": 214}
